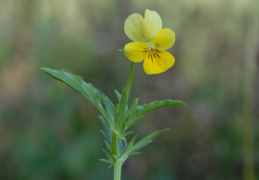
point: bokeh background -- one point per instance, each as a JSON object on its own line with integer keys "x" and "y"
{"x": 49, "y": 131}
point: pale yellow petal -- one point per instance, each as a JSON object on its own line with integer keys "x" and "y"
{"x": 133, "y": 28}
{"x": 164, "y": 39}
{"x": 157, "y": 61}
{"x": 153, "y": 24}
{"x": 136, "y": 51}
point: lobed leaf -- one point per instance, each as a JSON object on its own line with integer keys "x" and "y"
{"x": 131, "y": 149}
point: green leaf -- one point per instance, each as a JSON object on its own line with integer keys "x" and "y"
{"x": 105, "y": 125}
{"x": 134, "y": 153}
{"x": 109, "y": 158}
{"x": 132, "y": 140}
{"x": 101, "y": 101}
{"x": 147, "y": 139}
{"x": 127, "y": 133}
{"x": 108, "y": 146}
{"x": 146, "y": 108}
{"x": 106, "y": 160}
{"x": 107, "y": 136}
{"x": 144, "y": 144}
{"x": 121, "y": 50}
{"x": 131, "y": 149}
{"x": 123, "y": 102}
{"x": 117, "y": 94}
{"x": 122, "y": 108}
{"x": 120, "y": 147}
{"x": 109, "y": 107}
{"x": 130, "y": 113}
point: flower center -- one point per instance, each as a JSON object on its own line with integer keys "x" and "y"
{"x": 150, "y": 46}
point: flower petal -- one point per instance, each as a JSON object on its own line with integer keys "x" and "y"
{"x": 134, "y": 28}
{"x": 164, "y": 39}
{"x": 136, "y": 51}
{"x": 153, "y": 24}
{"x": 158, "y": 61}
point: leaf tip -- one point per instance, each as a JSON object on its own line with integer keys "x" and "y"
{"x": 43, "y": 69}
{"x": 165, "y": 129}
{"x": 182, "y": 103}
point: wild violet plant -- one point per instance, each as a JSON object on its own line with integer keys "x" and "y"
{"x": 149, "y": 44}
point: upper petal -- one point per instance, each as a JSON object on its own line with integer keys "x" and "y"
{"x": 136, "y": 51}
{"x": 153, "y": 24}
{"x": 158, "y": 61}
{"x": 164, "y": 39}
{"x": 134, "y": 28}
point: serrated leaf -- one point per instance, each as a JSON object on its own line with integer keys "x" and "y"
{"x": 105, "y": 125}
{"x": 112, "y": 105}
{"x": 109, "y": 107}
{"x": 131, "y": 149}
{"x": 76, "y": 82}
{"x": 87, "y": 89}
{"x": 109, "y": 158}
{"x": 145, "y": 140}
{"x": 157, "y": 105}
{"x": 146, "y": 108}
{"x": 134, "y": 106}
{"x": 131, "y": 113}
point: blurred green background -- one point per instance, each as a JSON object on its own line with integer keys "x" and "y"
{"x": 49, "y": 131}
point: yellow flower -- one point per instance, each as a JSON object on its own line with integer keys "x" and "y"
{"x": 150, "y": 41}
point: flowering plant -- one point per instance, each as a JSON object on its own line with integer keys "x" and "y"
{"x": 150, "y": 41}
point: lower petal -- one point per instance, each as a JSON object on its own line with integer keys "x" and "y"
{"x": 158, "y": 61}
{"x": 136, "y": 51}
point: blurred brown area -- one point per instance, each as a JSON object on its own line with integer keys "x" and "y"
{"x": 49, "y": 131}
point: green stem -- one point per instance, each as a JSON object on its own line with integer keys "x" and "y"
{"x": 114, "y": 144}
{"x": 118, "y": 164}
{"x": 117, "y": 171}
{"x": 124, "y": 99}
{"x": 130, "y": 79}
